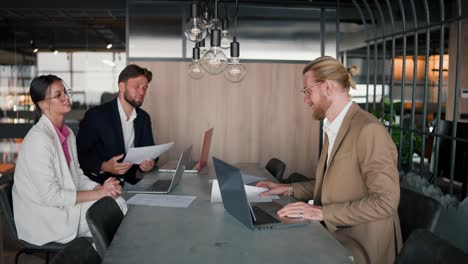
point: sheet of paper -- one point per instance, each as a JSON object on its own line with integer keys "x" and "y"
{"x": 163, "y": 200}
{"x": 248, "y": 179}
{"x": 252, "y": 192}
{"x": 251, "y": 178}
{"x": 137, "y": 155}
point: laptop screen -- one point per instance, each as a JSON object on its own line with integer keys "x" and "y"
{"x": 205, "y": 150}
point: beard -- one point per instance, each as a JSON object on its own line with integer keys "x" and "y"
{"x": 321, "y": 108}
{"x": 132, "y": 101}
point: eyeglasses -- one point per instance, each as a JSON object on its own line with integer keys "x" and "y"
{"x": 304, "y": 91}
{"x": 62, "y": 95}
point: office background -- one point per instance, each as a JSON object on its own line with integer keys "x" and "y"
{"x": 412, "y": 58}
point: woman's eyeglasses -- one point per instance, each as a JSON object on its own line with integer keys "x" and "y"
{"x": 62, "y": 96}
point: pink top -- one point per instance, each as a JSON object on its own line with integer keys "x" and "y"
{"x": 63, "y": 135}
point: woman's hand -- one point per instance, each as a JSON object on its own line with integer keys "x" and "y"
{"x": 111, "y": 187}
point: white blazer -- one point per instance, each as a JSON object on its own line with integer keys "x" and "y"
{"x": 44, "y": 189}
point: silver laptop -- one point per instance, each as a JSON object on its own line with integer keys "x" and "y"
{"x": 163, "y": 186}
{"x": 194, "y": 166}
{"x": 256, "y": 217}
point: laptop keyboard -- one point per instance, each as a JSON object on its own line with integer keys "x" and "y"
{"x": 262, "y": 217}
{"x": 161, "y": 185}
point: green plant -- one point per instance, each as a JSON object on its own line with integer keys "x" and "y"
{"x": 406, "y": 156}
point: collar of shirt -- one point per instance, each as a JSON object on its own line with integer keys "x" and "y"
{"x": 123, "y": 115}
{"x": 332, "y": 128}
{"x": 62, "y": 133}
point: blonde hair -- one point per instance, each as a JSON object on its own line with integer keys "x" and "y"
{"x": 328, "y": 68}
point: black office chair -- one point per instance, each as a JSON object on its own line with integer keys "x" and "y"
{"x": 80, "y": 251}
{"x": 423, "y": 247}
{"x": 296, "y": 177}
{"x": 417, "y": 211}
{"x": 9, "y": 224}
{"x": 276, "y": 167}
{"x": 104, "y": 218}
{"x": 445, "y": 150}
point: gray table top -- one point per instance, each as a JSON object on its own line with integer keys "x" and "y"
{"x": 206, "y": 233}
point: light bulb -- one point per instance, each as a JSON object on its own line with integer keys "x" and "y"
{"x": 214, "y": 61}
{"x": 202, "y": 47}
{"x": 225, "y": 39}
{"x": 195, "y": 29}
{"x": 195, "y": 69}
{"x": 214, "y": 24}
{"x": 235, "y": 71}
{"x": 225, "y": 35}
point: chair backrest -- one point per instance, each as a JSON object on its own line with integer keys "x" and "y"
{"x": 80, "y": 251}
{"x": 276, "y": 167}
{"x": 417, "y": 211}
{"x": 104, "y": 218}
{"x": 296, "y": 177}
{"x": 445, "y": 150}
{"x": 423, "y": 247}
{"x": 6, "y": 205}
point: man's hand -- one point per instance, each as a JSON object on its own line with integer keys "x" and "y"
{"x": 302, "y": 210}
{"x": 115, "y": 167}
{"x": 111, "y": 187}
{"x": 273, "y": 188}
{"x": 147, "y": 165}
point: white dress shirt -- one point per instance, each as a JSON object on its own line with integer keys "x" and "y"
{"x": 332, "y": 128}
{"x": 127, "y": 126}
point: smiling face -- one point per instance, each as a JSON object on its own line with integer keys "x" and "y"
{"x": 134, "y": 90}
{"x": 314, "y": 95}
{"x": 57, "y": 101}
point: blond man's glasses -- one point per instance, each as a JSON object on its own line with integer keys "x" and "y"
{"x": 304, "y": 91}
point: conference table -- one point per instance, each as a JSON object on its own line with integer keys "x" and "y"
{"x": 206, "y": 233}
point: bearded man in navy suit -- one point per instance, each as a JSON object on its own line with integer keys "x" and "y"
{"x": 108, "y": 131}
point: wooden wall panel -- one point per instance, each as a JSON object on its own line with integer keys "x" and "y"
{"x": 259, "y": 118}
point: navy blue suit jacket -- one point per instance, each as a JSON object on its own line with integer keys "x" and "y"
{"x": 100, "y": 138}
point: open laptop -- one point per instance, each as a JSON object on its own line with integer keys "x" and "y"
{"x": 256, "y": 217}
{"x": 163, "y": 186}
{"x": 194, "y": 166}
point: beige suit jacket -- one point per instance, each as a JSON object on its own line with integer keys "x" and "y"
{"x": 360, "y": 189}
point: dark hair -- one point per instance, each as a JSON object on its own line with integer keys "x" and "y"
{"x": 133, "y": 71}
{"x": 38, "y": 91}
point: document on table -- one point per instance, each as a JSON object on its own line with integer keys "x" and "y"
{"x": 163, "y": 200}
{"x": 137, "y": 155}
{"x": 253, "y": 194}
{"x": 250, "y": 178}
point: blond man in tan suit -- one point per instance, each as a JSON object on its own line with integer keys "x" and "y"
{"x": 356, "y": 190}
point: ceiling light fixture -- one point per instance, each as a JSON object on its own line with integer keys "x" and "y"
{"x": 235, "y": 71}
{"x": 225, "y": 35}
{"x": 33, "y": 46}
{"x": 109, "y": 46}
{"x": 214, "y": 61}
{"x": 195, "y": 69}
{"x": 195, "y": 29}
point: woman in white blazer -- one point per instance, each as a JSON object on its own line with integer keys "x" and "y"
{"x": 50, "y": 192}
